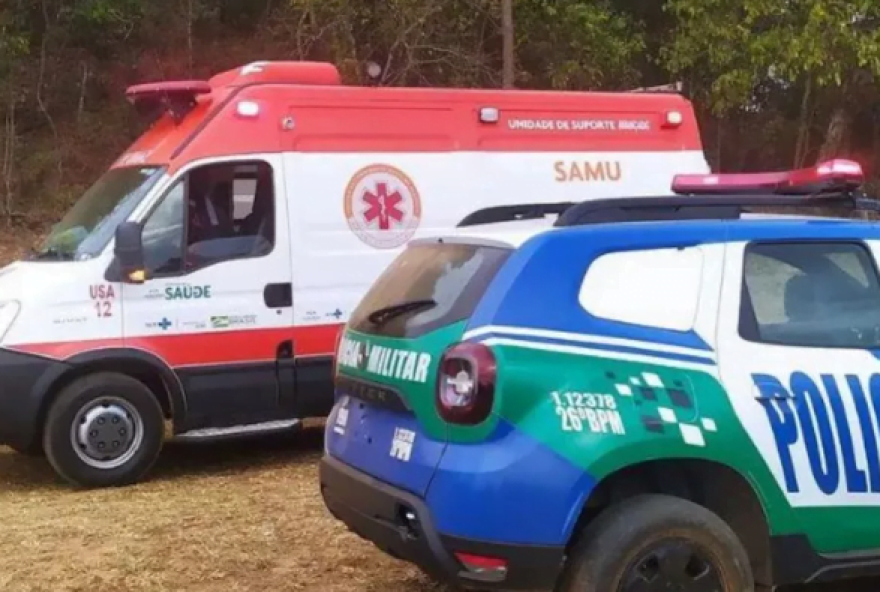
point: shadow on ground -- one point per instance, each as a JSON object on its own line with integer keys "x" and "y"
{"x": 178, "y": 459}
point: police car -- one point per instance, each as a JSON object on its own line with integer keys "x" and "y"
{"x": 651, "y": 394}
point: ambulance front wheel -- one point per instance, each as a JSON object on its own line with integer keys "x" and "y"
{"x": 657, "y": 542}
{"x": 104, "y": 430}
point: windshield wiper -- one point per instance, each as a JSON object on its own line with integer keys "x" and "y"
{"x": 385, "y": 314}
{"x": 52, "y": 253}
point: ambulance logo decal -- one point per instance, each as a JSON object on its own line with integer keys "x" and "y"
{"x": 382, "y": 206}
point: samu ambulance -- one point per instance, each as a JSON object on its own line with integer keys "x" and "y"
{"x": 203, "y": 279}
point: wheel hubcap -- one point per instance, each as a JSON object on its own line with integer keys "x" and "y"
{"x": 106, "y": 433}
{"x": 671, "y": 566}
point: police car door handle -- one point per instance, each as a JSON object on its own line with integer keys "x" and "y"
{"x": 774, "y": 396}
{"x": 771, "y": 392}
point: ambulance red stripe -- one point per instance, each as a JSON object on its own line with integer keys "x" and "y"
{"x": 204, "y": 349}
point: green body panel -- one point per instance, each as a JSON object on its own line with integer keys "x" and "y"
{"x": 841, "y": 529}
{"x": 592, "y": 411}
{"x": 539, "y": 388}
{"x": 419, "y": 394}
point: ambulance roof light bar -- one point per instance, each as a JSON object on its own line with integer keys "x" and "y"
{"x": 833, "y": 176}
{"x": 177, "y": 97}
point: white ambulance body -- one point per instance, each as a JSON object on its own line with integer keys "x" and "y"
{"x": 205, "y": 276}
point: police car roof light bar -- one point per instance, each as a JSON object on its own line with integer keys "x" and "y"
{"x": 837, "y": 175}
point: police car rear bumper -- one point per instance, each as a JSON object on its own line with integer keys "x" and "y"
{"x": 378, "y": 512}
{"x": 22, "y": 380}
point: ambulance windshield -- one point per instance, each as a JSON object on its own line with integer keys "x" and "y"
{"x": 90, "y": 224}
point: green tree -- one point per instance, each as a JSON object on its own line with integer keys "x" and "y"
{"x": 732, "y": 51}
{"x": 573, "y": 44}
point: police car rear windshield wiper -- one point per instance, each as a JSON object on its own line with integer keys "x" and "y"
{"x": 385, "y": 314}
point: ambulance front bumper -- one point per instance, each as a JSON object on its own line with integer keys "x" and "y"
{"x": 400, "y": 524}
{"x": 24, "y": 384}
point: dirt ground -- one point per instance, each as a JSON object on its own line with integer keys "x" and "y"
{"x": 224, "y": 517}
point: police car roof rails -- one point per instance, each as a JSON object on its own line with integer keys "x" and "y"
{"x": 712, "y": 196}
{"x": 531, "y": 211}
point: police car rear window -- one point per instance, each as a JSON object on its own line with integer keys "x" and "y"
{"x": 427, "y": 287}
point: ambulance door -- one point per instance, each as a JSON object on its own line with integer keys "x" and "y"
{"x": 799, "y": 332}
{"x": 217, "y": 306}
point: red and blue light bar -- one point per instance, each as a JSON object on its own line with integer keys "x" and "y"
{"x": 838, "y": 175}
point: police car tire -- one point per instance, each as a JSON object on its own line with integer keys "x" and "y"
{"x": 608, "y": 546}
{"x": 57, "y": 440}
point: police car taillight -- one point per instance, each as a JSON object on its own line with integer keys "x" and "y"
{"x": 466, "y": 383}
{"x": 833, "y": 175}
{"x": 492, "y": 568}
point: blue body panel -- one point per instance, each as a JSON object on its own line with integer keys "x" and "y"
{"x": 366, "y": 440}
{"x": 507, "y": 489}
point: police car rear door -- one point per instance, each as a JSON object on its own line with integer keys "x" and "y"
{"x": 799, "y": 336}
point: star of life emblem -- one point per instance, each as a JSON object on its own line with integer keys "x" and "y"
{"x": 382, "y": 206}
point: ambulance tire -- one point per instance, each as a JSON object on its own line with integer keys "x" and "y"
{"x": 98, "y": 403}
{"x": 660, "y": 539}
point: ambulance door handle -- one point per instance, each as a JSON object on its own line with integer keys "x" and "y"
{"x": 278, "y": 295}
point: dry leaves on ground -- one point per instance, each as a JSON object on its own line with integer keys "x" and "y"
{"x": 225, "y": 517}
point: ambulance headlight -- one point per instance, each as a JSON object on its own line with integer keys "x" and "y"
{"x": 8, "y": 313}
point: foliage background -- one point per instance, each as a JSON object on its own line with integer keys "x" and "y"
{"x": 777, "y": 83}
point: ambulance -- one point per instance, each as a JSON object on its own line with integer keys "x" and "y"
{"x": 202, "y": 281}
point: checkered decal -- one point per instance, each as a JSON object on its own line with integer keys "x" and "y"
{"x": 662, "y": 406}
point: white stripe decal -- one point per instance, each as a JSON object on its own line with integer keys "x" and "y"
{"x": 582, "y": 338}
{"x": 609, "y": 355}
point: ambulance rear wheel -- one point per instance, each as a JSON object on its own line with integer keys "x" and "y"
{"x": 104, "y": 430}
{"x": 656, "y": 543}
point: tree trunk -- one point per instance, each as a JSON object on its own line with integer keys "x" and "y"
{"x": 8, "y": 163}
{"x": 508, "y": 57}
{"x": 837, "y": 144}
{"x": 802, "y": 146}
{"x": 837, "y": 137}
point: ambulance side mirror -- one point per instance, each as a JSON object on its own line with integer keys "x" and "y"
{"x": 129, "y": 252}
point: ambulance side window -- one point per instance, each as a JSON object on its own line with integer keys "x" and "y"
{"x": 212, "y": 214}
{"x": 163, "y": 233}
{"x": 811, "y": 295}
{"x": 230, "y": 213}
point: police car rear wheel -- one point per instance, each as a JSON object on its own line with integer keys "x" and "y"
{"x": 657, "y": 543}
{"x": 104, "y": 430}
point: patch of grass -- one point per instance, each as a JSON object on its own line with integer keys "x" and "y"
{"x": 230, "y": 516}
